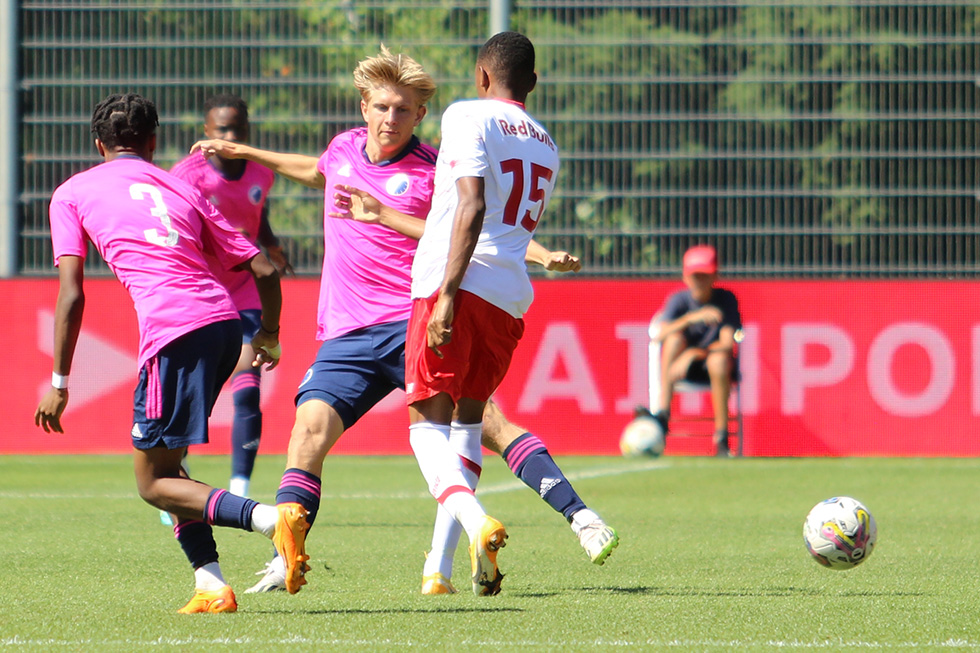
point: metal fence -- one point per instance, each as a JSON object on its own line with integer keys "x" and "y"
{"x": 828, "y": 139}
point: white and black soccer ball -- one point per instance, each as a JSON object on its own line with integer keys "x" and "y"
{"x": 840, "y": 533}
{"x": 642, "y": 437}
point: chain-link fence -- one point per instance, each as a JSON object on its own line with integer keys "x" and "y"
{"x": 825, "y": 138}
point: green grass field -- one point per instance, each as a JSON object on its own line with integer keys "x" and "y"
{"x": 711, "y": 558}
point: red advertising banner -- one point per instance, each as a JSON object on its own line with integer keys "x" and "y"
{"x": 829, "y": 369}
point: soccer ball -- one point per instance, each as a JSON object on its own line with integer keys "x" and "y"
{"x": 840, "y": 533}
{"x": 642, "y": 437}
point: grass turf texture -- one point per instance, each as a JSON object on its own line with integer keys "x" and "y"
{"x": 711, "y": 558}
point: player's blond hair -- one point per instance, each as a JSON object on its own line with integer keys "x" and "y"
{"x": 388, "y": 70}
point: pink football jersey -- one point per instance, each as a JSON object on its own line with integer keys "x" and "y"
{"x": 153, "y": 230}
{"x": 241, "y": 202}
{"x": 366, "y": 267}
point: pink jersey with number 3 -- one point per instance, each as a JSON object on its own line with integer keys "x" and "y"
{"x": 500, "y": 142}
{"x": 153, "y": 231}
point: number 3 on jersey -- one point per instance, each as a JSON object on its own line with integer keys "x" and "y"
{"x": 535, "y": 193}
{"x": 158, "y": 210}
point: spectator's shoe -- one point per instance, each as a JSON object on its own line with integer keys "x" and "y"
{"x": 598, "y": 540}
{"x": 273, "y": 577}
{"x": 222, "y": 600}
{"x": 483, "y": 557}
{"x": 437, "y": 584}
{"x": 290, "y": 542}
{"x": 721, "y": 446}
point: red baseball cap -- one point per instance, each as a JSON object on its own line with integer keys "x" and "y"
{"x": 701, "y": 258}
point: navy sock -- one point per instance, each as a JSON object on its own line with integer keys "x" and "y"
{"x": 530, "y": 461}
{"x": 197, "y": 541}
{"x": 302, "y": 487}
{"x": 226, "y": 509}
{"x": 246, "y": 430}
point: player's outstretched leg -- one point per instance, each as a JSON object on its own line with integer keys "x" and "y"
{"x": 197, "y": 507}
{"x": 529, "y": 460}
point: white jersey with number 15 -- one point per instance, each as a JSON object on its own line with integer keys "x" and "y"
{"x": 497, "y": 140}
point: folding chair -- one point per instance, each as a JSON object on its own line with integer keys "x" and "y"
{"x": 685, "y": 389}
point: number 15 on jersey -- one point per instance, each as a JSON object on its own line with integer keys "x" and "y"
{"x": 531, "y": 183}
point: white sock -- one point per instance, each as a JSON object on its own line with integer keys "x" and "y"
{"x": 264, "y": 518}
{"x": 445, "y": 539}
{"x": 238, "y": 485}
{"x": 582, "y": 518}
{"x": 467, "y": 511}
{"x": 442, "y": 470}
{"x": 209, "y": 578}
{"x": 438, "y": 462}
{"x": 446, "y": 530}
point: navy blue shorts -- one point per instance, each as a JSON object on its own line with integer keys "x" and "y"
{"x": 355, "y": 371}
{"x": 251, "y": 323}
{"x": 177, "y": 388}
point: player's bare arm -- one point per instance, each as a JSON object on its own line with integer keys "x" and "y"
{"x": 67, "y": 325}
{"x": 467, "y": 225}
{"x": 300, "y": 168}
{"x": 266, "y": 341}
{"x": 557, "y": 261}
{"x": 273, "y": 250}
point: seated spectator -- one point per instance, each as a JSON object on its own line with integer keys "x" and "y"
{"x": 697, "y": 332}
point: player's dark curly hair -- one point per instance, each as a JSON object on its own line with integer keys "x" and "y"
{"x": 126, "y": 120}
{"x": 510, "y": 56}
{"x": 223, "y": 100}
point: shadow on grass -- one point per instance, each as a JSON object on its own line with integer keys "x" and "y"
{"x": 747, "y": 592}
{"x": 340, "y": 611}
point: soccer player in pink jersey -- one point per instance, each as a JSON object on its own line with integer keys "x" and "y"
{"x": 154, "y": 231}
{"x": 239, "y": 189}
{"x": 365, "y": 300}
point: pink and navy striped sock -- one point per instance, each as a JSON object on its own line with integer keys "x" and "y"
{"x": 197, "y": 541}
{"x": 302, "y": 487}
{"x": 246, "y": 429}
{"x": 226, "y": 509}
{"x": 530, "y": 461}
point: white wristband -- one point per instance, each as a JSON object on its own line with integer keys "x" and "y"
{"x": 58, "y": 381}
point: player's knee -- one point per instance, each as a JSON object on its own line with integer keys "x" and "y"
{"x": 315, "y": 432}
{"x": 149, "y": 491}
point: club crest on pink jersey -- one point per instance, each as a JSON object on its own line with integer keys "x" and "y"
{"x": 397, "y": 184}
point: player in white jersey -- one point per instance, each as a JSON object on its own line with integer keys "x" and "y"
{"x": 495, "y": 173}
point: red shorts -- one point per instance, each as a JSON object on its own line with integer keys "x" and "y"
{"x": 476, "y": 359}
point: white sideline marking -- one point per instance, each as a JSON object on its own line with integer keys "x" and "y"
{"x": 673, "y": 643}
{"x": 499, "y": 488}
